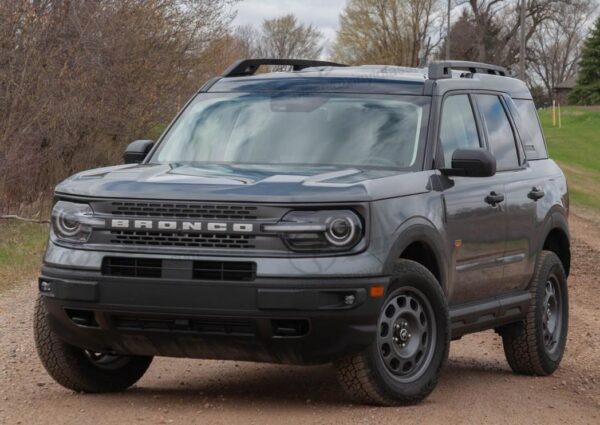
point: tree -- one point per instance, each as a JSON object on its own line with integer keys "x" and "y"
{"x": 394, "y": 32}
{"x": 468, "y": 43}
{"x": 555, "y": 48}
{"x": 285, "y": 37}
{"x": 587, "y": 89}
{"x": 497, "y": 24}
{"x": 81, "y": 79}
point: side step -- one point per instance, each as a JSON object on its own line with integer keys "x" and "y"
{"x": 488, "y": 314}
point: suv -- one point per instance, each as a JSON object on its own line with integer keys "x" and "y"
{"x": 364, "y": 216}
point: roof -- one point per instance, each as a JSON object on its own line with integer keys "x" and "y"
{"x": 370, "y": 79}
{"x": 568, "y": 83}
{"x": 352, "y": 79}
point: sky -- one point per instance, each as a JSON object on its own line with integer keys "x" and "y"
{"x": 323, "y": 14}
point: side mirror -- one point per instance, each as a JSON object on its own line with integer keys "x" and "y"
{"x": 136, "y": 151}
{"x": 471, "y": 163}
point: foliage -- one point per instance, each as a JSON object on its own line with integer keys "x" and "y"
{"x": 393, "y": 32}
{"x": 81, "y": 79}
{"x": 285, "y": 37}
{"x": 587, "y": 90}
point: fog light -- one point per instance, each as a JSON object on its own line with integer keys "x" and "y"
{"x": 45, "y": 286}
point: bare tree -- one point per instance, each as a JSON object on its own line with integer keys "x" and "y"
{"x": 395, "y": 32}
{"x": 285, "y": 37}
{"x": 555, "y": 49}
{"x": 80, "y": 79}
{"x": 496, "y": 27}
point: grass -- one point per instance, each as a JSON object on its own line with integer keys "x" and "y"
{"x": 21, "y": 248}
{"x": 576, "y": 147}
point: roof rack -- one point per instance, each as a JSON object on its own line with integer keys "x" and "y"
{"x": 246, "y": 67}
{"x": 443, "y": 69}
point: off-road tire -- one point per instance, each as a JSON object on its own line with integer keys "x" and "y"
{"x": 364, "y": 375}
{"x": 524, "y": 342}
{"x": 72, "y": 368}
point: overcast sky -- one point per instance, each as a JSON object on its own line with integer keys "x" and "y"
{"x": 323, "y": 14}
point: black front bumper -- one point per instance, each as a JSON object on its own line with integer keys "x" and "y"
{"x": 301, "y": 321}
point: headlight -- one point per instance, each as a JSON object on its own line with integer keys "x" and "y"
{"x": 73, "y": 222}
{"x": 334, "y": 230}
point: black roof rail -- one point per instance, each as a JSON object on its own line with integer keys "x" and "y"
{"x": 443, "y": 69}
{"x": 247, "y": 67}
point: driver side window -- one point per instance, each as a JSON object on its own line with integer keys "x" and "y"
{"x": 457, "y": 129}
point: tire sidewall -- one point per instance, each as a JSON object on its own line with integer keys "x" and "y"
{"x": 551, "y": 266}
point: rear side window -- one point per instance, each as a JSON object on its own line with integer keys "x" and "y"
{"x": 457, "y": 129}
{"x": 530, "y": 130}
{"x": 499, "y": 132}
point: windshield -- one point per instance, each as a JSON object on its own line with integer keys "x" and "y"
{"x": 348, "y": 130}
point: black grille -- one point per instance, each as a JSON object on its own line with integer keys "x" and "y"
{"x": 223, "y": 270}
{"x": 179, "y": 210}
{"x": 179, "y": 269}
{"x": 132, "y": 267}
{"x": 196, "y": 240}
{"x": 202, "y": 326}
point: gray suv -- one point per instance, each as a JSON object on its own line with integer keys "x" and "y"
{"x": 364, "y": 216}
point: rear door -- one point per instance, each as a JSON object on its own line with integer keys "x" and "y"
{"x": 522, "y": 189}
{"x": 526, "y": 195}
{"x": 476, "y": 229}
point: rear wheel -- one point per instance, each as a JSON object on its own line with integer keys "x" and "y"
{"x": 403, "y": 363}
{"x": 536, "y": 346}
{"x": 83, "y": 370}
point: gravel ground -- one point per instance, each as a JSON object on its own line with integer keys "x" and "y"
{"x": 476, "y": 386}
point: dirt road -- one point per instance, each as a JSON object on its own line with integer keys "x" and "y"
{"x": 476, "y": 387}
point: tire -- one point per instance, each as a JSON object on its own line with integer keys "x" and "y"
{"x": 389, "y": 373}
{"x": 79, "y": 370}
{"x": 536, "y": 346}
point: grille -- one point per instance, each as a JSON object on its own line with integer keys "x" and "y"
{"x": 197, "y": 240}
{"x": 178, "y": 210}
{"x": 203, "y": 326}
{"x": 132, "y": 267}
{"x": 223, "y": 270}
{"x": 179, "y": 269}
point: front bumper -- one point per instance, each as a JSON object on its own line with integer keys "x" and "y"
{"x": 301, "y": 320}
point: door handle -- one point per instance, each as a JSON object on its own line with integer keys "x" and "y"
{"x": 536, "y": 193}
{"x": 494, "y": 198}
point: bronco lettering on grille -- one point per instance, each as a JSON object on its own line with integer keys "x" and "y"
{"x": 182, "y": 225}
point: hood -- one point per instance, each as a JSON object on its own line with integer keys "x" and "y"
{"x": 250, "y": 183}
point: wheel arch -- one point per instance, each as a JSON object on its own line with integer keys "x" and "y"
{"x": 557, "y": 239}
{"x": 420, "y": 241}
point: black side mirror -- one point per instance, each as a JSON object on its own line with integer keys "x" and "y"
{"x": 136, "y": 151}
{"x": 471, "y": 163}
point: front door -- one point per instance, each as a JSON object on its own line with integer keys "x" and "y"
{"x": 476, "y": 219}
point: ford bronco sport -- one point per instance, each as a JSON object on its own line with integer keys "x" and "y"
{"x": 364, "y": 216}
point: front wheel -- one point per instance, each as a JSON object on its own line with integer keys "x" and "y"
{"x": 413, "y": 336}
{"x": 82, "y": 370}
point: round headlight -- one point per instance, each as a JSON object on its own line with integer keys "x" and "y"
{"x": 72, "y": 221}
{"x": 319, "y": 231}
{"x": 340, "y": 231}
{"x": 66, "y": 225}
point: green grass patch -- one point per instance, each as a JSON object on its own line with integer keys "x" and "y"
{"x": 21, "y": 248}
{"x": 576, "y": 147}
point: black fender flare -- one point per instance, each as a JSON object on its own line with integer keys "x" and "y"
{"x": 419, "y": 229}
{"x": 555, "y": 219}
